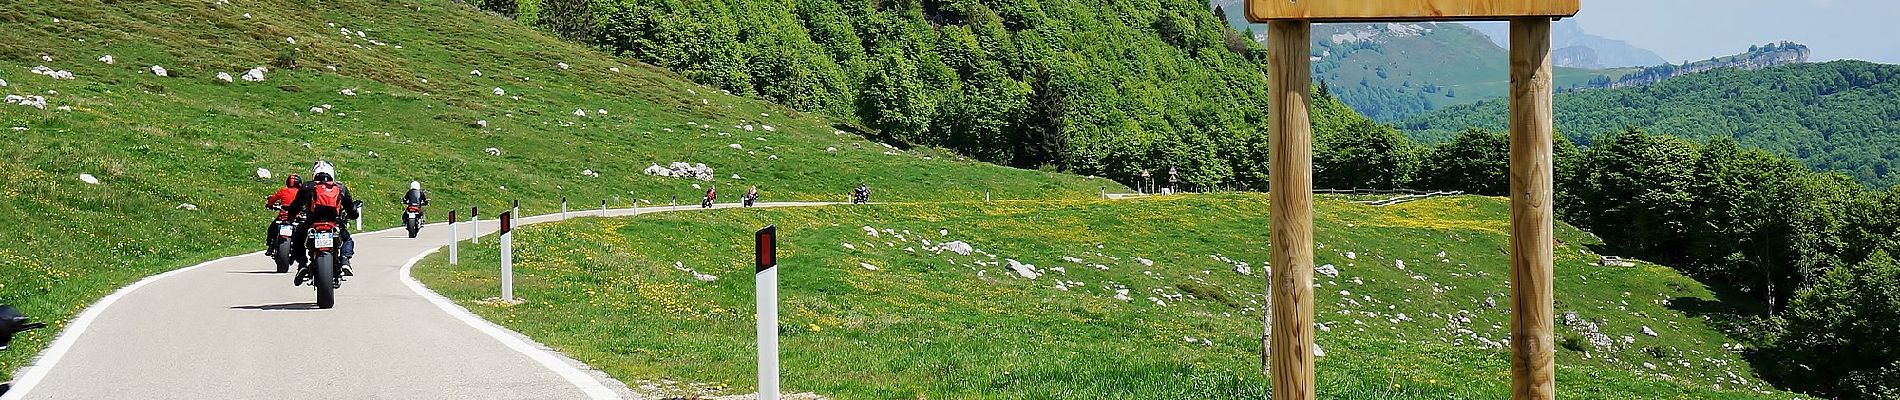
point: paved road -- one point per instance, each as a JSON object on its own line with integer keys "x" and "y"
{"x": 235, "y": 329}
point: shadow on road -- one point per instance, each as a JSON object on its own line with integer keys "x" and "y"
{"x": 279, "y": 307}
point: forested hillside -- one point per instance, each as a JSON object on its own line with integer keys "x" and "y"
{"x": 1094, "y": 87}
{"x": 1840, "y": 116}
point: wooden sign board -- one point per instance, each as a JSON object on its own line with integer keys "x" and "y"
{"x": 1406, "y": 10}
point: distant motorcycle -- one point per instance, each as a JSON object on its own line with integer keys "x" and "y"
{"x": 284, "y": 229}
{"x": 412, "y": 219}
{"x": 749, "y": 198}
{"x": 861, "y": 197}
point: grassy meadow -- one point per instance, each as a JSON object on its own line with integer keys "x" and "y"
{"x": 900, "y": 314}
{"x": 389, "y": 93}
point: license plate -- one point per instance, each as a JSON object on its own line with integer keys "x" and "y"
{"x": 412, "y": 215}
{"x": 323, "y": 240}
{"x": 285, "y": 230}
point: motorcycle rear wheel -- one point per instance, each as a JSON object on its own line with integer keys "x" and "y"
{"x": 283, "y": 257}
{"x": 325, "y": 280}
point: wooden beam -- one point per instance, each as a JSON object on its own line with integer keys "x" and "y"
{"x": 1290, "y": 326}
{"x": 1406, "y": 10}
{"x": 1532, "y": 370}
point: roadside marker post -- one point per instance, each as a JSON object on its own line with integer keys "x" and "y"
{"x": 453, "y": 238}
{"x": 603, "y": 207}
{"x": 507, "y": 257}
{"x": 766, "y": 287}
{"x": 474, "y": 225}
{"x": 517, "y": 209}
{"x": 675, "y": 202}
{"x": 563, "y": 208}
{"x": 359, "y": 218}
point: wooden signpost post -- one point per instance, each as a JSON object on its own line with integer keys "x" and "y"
{"x": 1290, "y": 328}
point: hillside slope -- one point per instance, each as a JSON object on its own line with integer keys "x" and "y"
{"x": 1151, "y": 299}
{"x": 1837, "y": 115}
{"x": 390, "y": 93}
{"x": 1096, "y": 87}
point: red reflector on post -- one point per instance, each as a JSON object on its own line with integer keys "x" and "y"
{"x": 767, "y": 240}
{"x": 506, "y": 221}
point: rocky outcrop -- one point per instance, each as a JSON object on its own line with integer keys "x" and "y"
{"x": 1757, "y": 57}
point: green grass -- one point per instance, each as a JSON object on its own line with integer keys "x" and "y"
{"x": 927, "y": 325}
{"x": 156, "y": 143}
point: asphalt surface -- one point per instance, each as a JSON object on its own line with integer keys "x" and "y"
{"x": 236, "y": 329}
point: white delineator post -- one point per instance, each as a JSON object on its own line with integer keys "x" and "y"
{"x": 603, "y": 207}
{"x": 359, "y": 218}
{"x": 453, "y": 238}
{"x": 766, "y": 287}
{"x": 507, "y": 257}
{"x": 563, "y": 208}
{"x": 474, "y": 225}
{"x": 517, "y": 209}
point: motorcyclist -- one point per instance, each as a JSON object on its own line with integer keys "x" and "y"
{"x": 415, "y": 197}
{"x": 751, "y": 195}
{"x": 711, "y": 194}
{"x": 277, "y": 201}
{"x": 863, "y": 193}
{"x": 323, "y": 199}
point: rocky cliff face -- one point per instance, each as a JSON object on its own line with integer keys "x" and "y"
{"x": 1757, "y": 57}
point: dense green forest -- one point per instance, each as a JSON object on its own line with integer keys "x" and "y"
{"x": 1093, "y": 87}
{"x": 1838, "y": 116}
{"x": 1804, "y": 247}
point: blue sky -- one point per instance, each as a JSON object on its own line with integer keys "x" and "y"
{"x": 1681, "y": 30}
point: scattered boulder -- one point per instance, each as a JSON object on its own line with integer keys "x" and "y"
{"x": 107, "y": 59}
{"x": 88, "y": 179}
{"x": 681, "y": 170}
{"x": 263, "y": 173}
{"x": 1026, "y": 270}
{"x": 1329, "y": 270}
{"x": 224, "y": 77}
{"x": 188, "y": 206}
{"x": 493, "y": 151}
{"x": 160, "y": 71}
{"x": 255, "y": 74}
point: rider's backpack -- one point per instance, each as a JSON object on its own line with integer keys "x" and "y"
{"x": 329, "y": 197}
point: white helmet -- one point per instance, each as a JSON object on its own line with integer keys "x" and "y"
{"x": 322, "y": 168}
{"x": 413, "y": 185}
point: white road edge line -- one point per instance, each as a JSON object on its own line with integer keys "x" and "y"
{"x": 24, "y": 383}
{"x": 44, "y": 363}
{"x": 580, "y": 379}
{"x": 47, "y": 359}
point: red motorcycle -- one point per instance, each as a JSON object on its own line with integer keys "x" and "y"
{"x": 323, "y": 244}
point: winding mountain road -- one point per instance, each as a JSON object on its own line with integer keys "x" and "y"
{"x": 234, "y": 329}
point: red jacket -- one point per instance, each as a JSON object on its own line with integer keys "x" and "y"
{"x": 281, "y": 199}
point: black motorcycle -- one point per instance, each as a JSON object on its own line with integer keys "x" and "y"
{"x": 283, "y": 229}
{"x": 412, "y": 219}
{"x": 323, "y": 243}
{"x": 11, "y": 322}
